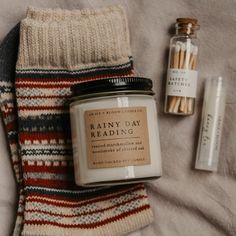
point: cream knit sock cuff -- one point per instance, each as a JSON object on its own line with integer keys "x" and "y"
{"x": 71, "y": 40}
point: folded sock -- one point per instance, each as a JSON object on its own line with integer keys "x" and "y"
{"x": 59, "y": 48}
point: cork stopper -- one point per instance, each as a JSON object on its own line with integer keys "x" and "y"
{"x": 187, "y": 20}
{"x": 186, "y": 25}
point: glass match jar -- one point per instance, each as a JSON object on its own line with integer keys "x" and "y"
{"x": 181, "y": 84}
{"x": 115, "y": 134}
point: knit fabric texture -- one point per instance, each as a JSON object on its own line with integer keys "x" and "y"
{"x": 59, "y": 48}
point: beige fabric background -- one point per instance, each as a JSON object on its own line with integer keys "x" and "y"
{"x": 185, "y": 202}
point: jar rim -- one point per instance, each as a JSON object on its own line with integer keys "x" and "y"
{"x": 112, "y": 85}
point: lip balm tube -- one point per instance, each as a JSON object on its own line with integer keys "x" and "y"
{"x": 211, "y": 124}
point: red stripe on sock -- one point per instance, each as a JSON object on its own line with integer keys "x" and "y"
{"x": 7, "y": 113}
{"x": 43, "y": 96}
{"x": 11, "y": 126}
{"x": 47, "y": 80}
{"x": 47, "y": 169}
{"x": 59, "y": 184}
{"x": 87, "y": 213}
{"x": 42, "y": 85}
{"x": 73, "y": 80}
{"x": 89, "y": 201}
{"x": 39, "y": 108}
{"x": 27, "y": 136}
{"x": 91, "y": 225}
{"x": 70, "y": 201}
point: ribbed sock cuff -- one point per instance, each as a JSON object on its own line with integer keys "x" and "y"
{"x": 71, "y": 40}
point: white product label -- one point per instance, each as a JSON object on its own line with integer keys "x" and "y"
{"x": 181, "y": 82}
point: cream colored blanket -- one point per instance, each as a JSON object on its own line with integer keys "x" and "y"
{"x": 184, "y": 201}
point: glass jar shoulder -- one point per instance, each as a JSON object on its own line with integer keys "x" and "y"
{"x": 105, "y": 98}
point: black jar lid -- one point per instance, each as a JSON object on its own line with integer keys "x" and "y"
{"x": 112, "y": 84}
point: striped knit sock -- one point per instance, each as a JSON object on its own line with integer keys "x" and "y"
{"x": 59, "y": 48}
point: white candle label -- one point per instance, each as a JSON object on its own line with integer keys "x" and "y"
{"x": 181, "y": 82}
{"x": 117, "y": 137}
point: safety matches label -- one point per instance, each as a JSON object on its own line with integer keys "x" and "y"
{"x": 181, "y": 82}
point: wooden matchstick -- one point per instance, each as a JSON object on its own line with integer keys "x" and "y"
{"x": 192, "y": 66}
{"x": 176, "y": 56}
{"x": 193, "y": 59}
{"x": 176, "y": 107}
{"x": 181, "y": 57}
{"x": 172, "y": 104}
{"x": 184, "y": 100}
{"x": 175, "y": 66}
{"x": 188, "y": 52}
{"x": 172, "y": 56}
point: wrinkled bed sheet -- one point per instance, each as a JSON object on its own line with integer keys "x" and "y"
{"x": 184, "y": 201}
